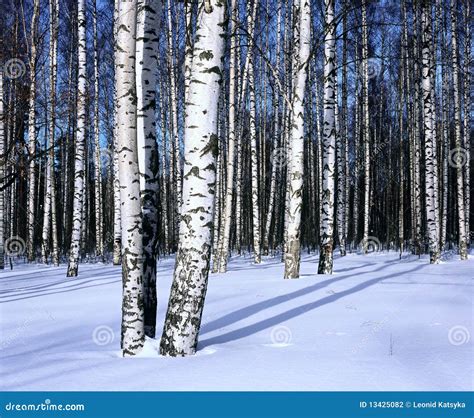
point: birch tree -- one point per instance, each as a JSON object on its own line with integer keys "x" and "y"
{"x": 79, "y": 165}
{"x": 186, "y": 302}
{"x": 133, "y": 332}
{"x": 329, "y": 143}
{"x": 431, "y": 194}
{"x": 296, "y": 168}
{"x": 97, "y": 163}
{"x": 459, "y": 151}
{"x": 148, "y": 15}
{"x": 2, "y": 174}
{"x": 253, "y": 137}
{"x": 223, "y": 253}
{"x": 32, "y": 133}
{"x": 365, "y": 128}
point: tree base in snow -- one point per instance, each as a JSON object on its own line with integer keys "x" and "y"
{"x": 325, "y": 259}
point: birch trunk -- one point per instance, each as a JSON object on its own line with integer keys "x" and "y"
{"x": 133, "y": 335}
{"x": 188, "y": 291}
{"x": 459, "y": 151}
{"x": 174, "y": 119}
{"x": 229, "y": 192}
{"x": 296, "y": 168}
{"x": 2, "y": 174}
{"x": 467, "y": 117}
{"x": 97, "y": 163}
{"x": 253, "y": 139}
{"x": 80, "y": 145}
{"x": 32, "y": 135}
{"x": 365, "y": 129}
{"x": 117, "y": 249}
{"x": 148, "y": 15}
{"x": 431, "y": 164}
{"x": 329, "y": 144}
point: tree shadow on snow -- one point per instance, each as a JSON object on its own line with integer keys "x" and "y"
{"x": 285, "y": 316}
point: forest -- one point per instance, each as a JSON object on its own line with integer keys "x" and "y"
{"x": 210, "y": 136}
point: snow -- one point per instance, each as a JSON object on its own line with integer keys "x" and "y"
{"x": 378, "y": 323}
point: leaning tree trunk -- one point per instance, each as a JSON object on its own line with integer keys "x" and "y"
{"x": 329, "y": 144}
{"x": 431, "y": 161}
{"x": 296, "y": 161}
{"x": 183, "y": 318}
{"x": 78, "y": 200}
{"x": 148, "y": 15}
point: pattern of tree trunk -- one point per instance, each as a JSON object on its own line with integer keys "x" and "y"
{"x": 296, "y": 160}
{"x": 79, "y": 166}
{"x": 431, "y": 194}
{"x": 2, "y": 174}
{"x": 329, "y": 144}
{"x": 459, "y": 151}
{"x": 183, "y": 318}
{"x": 148, "y": 13}
{"x": 32, "y": 135}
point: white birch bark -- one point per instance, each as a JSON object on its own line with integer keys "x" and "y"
{"x": 181, "y": 328}
{"x": 223, "y": 253}
{"x": 2, "y": 174}
{"x": 253, "y": 138}
{"x": 467, "y": 116}
{"x": 148, "y": 16}
{"x": 32, "y": 134}
{"x": 302, "y": 32}
{"x": 457, "y": 138}
{"x": 174, "y": 119}
{"x": 97, "y": 163}
{"x": 133, "y": 332}
{"x": 78, "y": 199}
{"x": 49, "y": 216}
{"x": 431, "y": 164}
{"x": 365, "y": 129}
{"x": 329, "y": 144}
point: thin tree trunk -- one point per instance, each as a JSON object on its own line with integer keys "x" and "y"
{"x": 458, "y": 156}
{"x": 32, "y": 135}
{"x": 431, "y": 162}
{"x": 329, "y": 144}
{"x": 79, "y": 165}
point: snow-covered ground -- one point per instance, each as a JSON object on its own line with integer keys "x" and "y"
{"x": 377, "y": 324}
